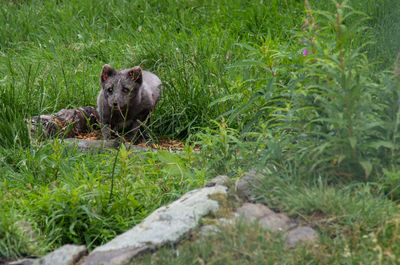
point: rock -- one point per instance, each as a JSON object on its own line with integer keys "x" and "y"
{"x": 275, "y": 222}
{"x": 92, "y": 145}
{"x": 100, "y": 145}
{"x": 206, "y": 230}
{"x": 111, "y": 257}
{"x": 219, "y": 180}
{"x": 166, "y": 225}
{"x": 253, "y": 211}
{"x": 21, "y": 262}
{"x": 265, "y": 216}
{"x": 244, "y": 185}
{"x": 301, "y": 234}
{"x": 65, "y": 255}
{"x": 228, "y": 221}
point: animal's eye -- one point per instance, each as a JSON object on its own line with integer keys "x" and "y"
{"x": 110, "y": 90}
{"x": 125, "y": 89}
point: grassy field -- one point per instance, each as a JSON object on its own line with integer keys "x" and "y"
{"x": 309, "y": 98}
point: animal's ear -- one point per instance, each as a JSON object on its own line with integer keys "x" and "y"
{"x": 135, "y": 74}
{"x": 106, "y": 72}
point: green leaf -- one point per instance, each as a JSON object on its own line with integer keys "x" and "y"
{"x": 367, "y": 166}
{"x": 248, "y": 47}
{"x": 223, "y": 99}
{"x": 378, "y": 144}
{"x": 247, "y": 63}
{"x": 353, "y": 142}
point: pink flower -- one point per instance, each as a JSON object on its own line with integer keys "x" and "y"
{"x": 305, "y": 52}
{"x": 305, "y": 24}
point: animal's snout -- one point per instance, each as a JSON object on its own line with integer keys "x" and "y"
{"x": 115, "y": 104}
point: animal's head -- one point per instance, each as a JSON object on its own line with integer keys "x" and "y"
{"x": 120, "y": 87}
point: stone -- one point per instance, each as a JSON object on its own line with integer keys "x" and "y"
{"x": 220, "y": 180}
{"x": 98, "y": 146}
{"x": 21, "y": 262}
{"x": 165, "y": 225}
{"x": 206, "y": 230}
{"x": 275, "y": 222}
{"x": 228, "y": 221}
{"x": 299, "y": 235}
{"x": 253, "y": 211}
{"x": 244, "y": 185}
{"x": 92, "y": 145}
{"x": 65, "y": 255}
{"x": 111, "y": 257}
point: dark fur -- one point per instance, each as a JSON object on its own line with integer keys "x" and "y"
{"x": 127, "y": 97}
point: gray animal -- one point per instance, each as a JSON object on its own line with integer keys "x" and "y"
{"x": 127, "y": 98}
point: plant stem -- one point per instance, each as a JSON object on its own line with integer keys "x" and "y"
{"x": 113, "y": 173}
{"x": 338, "y": 6}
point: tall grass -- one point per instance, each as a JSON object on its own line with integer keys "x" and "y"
{"x": 65, "y": 194}
{"x": 53, "y": 52}
{"x": 233, "y": 67}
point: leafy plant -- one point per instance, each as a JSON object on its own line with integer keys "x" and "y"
{"x": 341, "y": 112}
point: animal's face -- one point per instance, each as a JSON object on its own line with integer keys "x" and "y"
{"x": 120, "y": 87}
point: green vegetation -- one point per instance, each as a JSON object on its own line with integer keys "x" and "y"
{"x": 250, "y": 244}
{"x": 310, "y": 98}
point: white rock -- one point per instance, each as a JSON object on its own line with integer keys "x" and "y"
{"x": 21, "y": 262}
{"x": 65, "y": 255}
{"x": 206, "y": 230}
{"x": 168, "y": 223}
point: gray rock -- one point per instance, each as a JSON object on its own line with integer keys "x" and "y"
{"x": 92, "y": 145}
{"x": 206, "y": 230}
{"x": 21, "y": 262}
{"x": 253, "y": 211}
{"x": 228, "y": 221}
{"x": 65, "y": 255}
{"x": 86, "y": 145}
{"x": 111, "y": 257}
{"x": 220, "y": 180}
{"x": 244, "y": 185}
{"x": 275, "y": 222}
{"x": 166, "y": 225}
{"x": 301, "y": 234}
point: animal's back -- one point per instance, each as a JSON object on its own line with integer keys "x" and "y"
{"x": 152, "y": 85}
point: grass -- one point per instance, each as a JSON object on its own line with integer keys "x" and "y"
{"x": 237, "y": 84}
{"x": 62, "y": 46}
{"x": 353, "y": 223}
{"x": 51, "y": 55}
{"x": 65, "y": 194}
{"x": 250, "y": 244}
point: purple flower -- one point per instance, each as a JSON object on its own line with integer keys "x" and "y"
{"x": 305, "y": 52}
